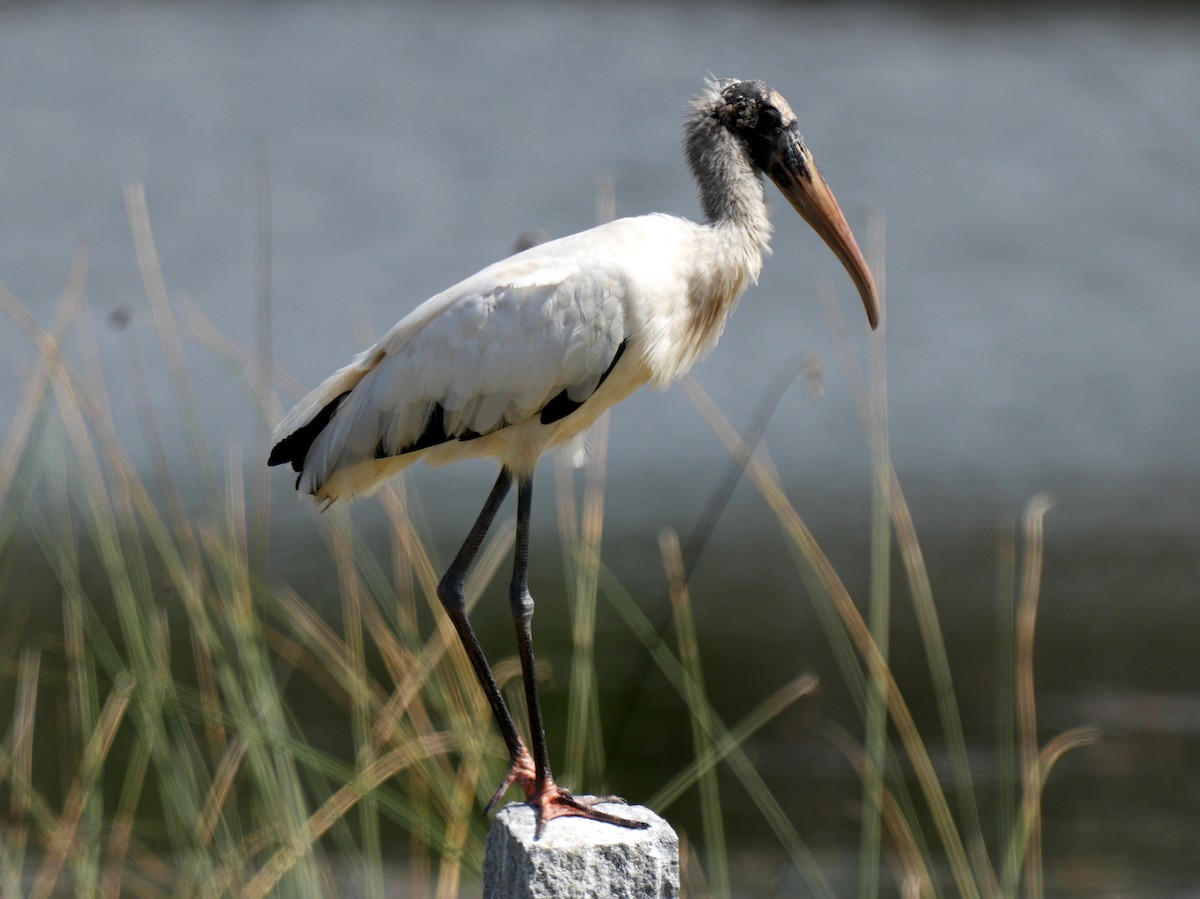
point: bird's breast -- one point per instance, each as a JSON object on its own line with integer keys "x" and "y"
{"x": 683, "y": 313}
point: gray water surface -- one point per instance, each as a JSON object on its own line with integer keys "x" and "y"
{"x": 1038, "y": 177}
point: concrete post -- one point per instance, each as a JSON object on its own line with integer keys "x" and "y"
{"x": 580, "y": 859}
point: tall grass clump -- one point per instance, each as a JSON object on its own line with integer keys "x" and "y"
{"x": 178, "y": 766}
{"x": 155, "y": 746}
{"x": 928, "y": 821}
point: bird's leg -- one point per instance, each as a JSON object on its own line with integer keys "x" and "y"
{"x": 549, "y": 800}
{"x": 451, "y": 593}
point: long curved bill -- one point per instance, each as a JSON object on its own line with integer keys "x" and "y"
{"x": 798, "y": 178}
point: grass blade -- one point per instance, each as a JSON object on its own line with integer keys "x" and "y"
{"x": 689, "y": 656}
{"x": 859, "y": 632}
{"x": 1031, "y": 578}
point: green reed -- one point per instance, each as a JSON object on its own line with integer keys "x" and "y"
{"x": 138, "y": 763}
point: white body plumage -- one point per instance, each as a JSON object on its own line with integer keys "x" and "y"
{"x": 495, "y": 349}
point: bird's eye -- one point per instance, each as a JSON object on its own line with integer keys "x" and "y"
{"x": 769, "y": 120}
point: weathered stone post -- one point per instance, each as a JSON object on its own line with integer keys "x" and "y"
{"x": 580, "y": 859}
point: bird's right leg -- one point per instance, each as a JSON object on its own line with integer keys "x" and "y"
{"x": 452, "y": 594}
{"x": 548, "y": 799}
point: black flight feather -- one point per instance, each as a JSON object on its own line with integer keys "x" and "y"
{"x": 295, "y": 446}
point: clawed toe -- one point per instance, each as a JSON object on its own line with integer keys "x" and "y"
{"x": 555, "y": 802}
{"x": 550, "y": 801}
{"x": 523, "y": 772}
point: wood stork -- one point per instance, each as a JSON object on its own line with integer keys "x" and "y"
{"x": 526, "y": 354}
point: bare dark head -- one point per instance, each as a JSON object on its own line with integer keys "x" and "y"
{"x": 764, "y": 130}
{"x": 757, "y": 115}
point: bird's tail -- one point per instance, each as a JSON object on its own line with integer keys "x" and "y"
{"x": 295, "y": 435}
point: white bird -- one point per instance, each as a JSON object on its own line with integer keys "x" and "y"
{"x": 526, "y": 354}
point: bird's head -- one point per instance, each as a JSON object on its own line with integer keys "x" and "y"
{"x": 761, "y": 120}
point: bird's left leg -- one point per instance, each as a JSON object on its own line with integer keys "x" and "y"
{"x": 550, "y": 800}
{"x": 451, "y": 592}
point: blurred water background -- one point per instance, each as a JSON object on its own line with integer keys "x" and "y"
{"x": 1039, "y": 176}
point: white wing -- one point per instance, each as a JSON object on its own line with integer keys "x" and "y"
{"x": 489, "y": 352}
{"x": 497, "y": 355}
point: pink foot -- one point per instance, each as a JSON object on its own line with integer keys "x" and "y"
{"x": 554, "y": 802}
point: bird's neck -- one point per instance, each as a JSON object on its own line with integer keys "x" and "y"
{"x": 737, "y": 228}
{"x": 725, "y": 252}
{"x": 731, "y": 190}
{"x": 730, "y": 243}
